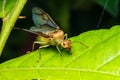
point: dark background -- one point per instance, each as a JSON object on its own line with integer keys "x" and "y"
{"x": 73, "y": 17}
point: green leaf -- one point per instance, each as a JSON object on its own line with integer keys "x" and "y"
{"x": 112, "y": 6}
{"x": 95, "y": 55}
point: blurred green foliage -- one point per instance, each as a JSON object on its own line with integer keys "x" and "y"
{"x": 73, "y": 16}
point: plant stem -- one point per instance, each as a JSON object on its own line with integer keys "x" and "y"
{"x": 9, "y": 21}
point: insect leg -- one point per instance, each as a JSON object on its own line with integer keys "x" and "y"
{"x": 59, "y": 51}
{"x": 65, "y": 36}
{"x": 40, "y": 48}
{"x": 37, "y": 42}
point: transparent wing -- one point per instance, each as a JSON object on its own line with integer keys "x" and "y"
{"x": 43, "y": 29}
{"x": 42, "y": 21}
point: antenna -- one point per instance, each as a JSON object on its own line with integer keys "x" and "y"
{"x": 102, "y": 13}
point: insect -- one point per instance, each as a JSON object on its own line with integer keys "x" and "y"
{"x": 47, "y": 31}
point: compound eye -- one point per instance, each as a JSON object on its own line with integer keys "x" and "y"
{"x": 63, "y": 44}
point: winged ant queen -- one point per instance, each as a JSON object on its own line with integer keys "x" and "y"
{"x": 47, "y": 31}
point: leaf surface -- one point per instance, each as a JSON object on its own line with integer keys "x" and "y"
{"x": 95, "y": 55}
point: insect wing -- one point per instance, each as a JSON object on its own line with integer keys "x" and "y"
{"x": 43, "y": 29}
{"x": 42, "y": 21}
